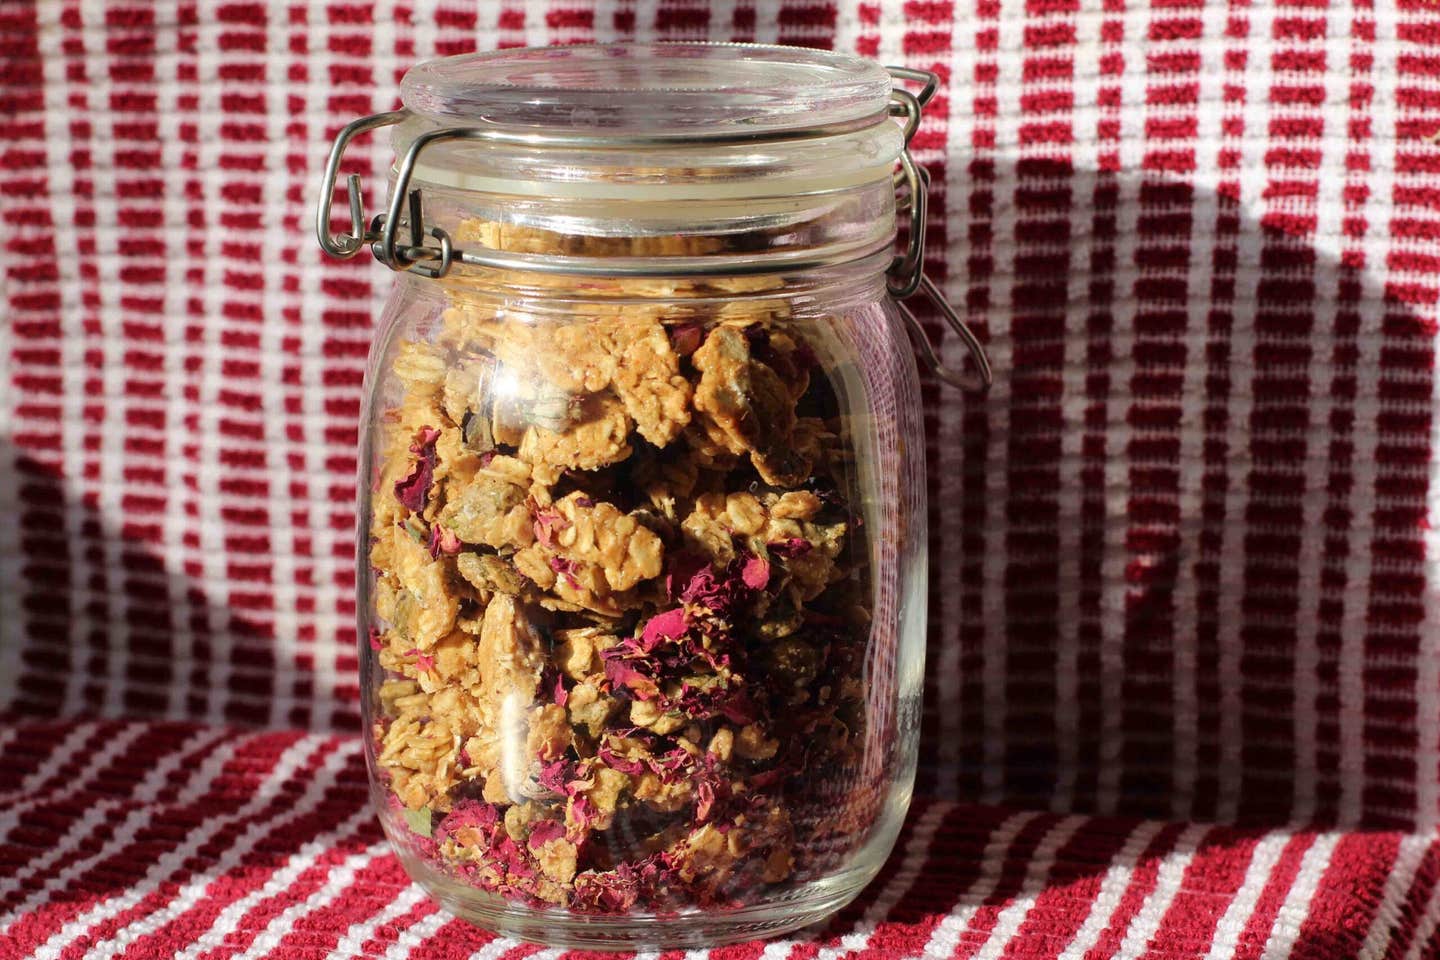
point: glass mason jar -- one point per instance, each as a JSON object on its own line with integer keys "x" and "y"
{"x": 642, "y": 514}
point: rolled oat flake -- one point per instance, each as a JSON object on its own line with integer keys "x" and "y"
{"x": 642, "y": 509}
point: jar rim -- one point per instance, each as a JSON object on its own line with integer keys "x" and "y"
{"x": 675, "y": 91}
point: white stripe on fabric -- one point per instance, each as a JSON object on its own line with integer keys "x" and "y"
{"x": 1112, "y": 890}
{"x": 767, "y": 22}
{"x": 946, "y": 935}
{"x": 1037, "y": 874}
{"x": 1427, "y": 673}
{"x": 1073, "y": 401}
{"x": 1241, "y": 906}
{"x": 272, "y": 361}
{"x": 1329, "y": 242}
{"x": 60, "y": 113}
{"x": 1399, "y": 886}
{"x": 1429, "y": 919}
{"x": 63, "y": 753}
{"x": 417, "y": 933}
{"x": 280, "y": 925}
{"x": 1010, "y": 69}
{"x": 537, "y": 32}
{"x": 13, "y": 813}
{"x": 1362, "y": 495}
{"x": 1292, "y": 913}
{"x": 495, "y": 949}
{"x": 353, "y": 943}
{"x": 97, "y": 817}
{"x": 1169, "y": 878}
{"x": 286, "y": 766}
{"x": 174, "y": 318}
{"x": 423, "y": 28}
{"x": 1113, "y": 585}
{"x": 111, "y": 343}
{"x": 1207, "y": 145}
{"x": 913, "y": 858}
{"x": 123, "y": 834}
{"x": 210, "y": 354}
{"x": 1252, "y": 177}
{"x": 323, "y": 779}
{"x": 325, "y": 557}
{"x": 945, "y": 679}
{"x": 227, "y": 921}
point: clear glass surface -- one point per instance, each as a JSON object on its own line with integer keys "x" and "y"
{"x": 643, "y": 593}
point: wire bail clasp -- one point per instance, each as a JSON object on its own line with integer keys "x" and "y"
{"x": 906, "y": 276}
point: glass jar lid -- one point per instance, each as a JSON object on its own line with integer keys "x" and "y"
{"x": 654, "y": 91}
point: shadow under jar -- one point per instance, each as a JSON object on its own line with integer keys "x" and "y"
{"x": 642, "y": 515}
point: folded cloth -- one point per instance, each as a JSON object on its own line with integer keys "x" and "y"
{"x": 146, "y": 839}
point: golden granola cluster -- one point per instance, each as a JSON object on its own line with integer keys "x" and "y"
{"x": 619, "y": 602}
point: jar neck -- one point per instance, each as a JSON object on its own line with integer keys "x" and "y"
{"x": 856, "y": 281}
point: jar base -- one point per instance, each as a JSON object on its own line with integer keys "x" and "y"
{"x": 805, "y": 905}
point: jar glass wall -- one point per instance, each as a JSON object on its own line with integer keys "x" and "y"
{"x": 644, "y": 593}
{"x": 642, "y": 544}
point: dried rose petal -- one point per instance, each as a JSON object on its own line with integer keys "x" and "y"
{"x": 567, "y": 569}
{"x": 375, "y": 643}
{"x": 623, "y": 676}
{"x": 756, "y": 573}
{"x": 443, "y": 541}
{"x": 423, "y": 661}
{"x": 543, "y": 831}
{"x": 616, "y": 762}
{"x": 669, "y": 625}
{"x": 554, "y": 775}
{"x": 548, "y": 523}
{"x": 686, "y": 338}
{"x": 413, "y": 491}
{"x": 794, "y": 547}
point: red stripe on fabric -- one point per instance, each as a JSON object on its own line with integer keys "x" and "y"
{"x": 280, "y": 807}
{"x": 931, "y": 148}
{"x": 1413, "y": 909}
{"x": 1142, "y": 882}
{"x": 316, "y": 934}
{"x": 32, "y": 294}
{"x": 1218, "y": 393}
{"x": 316, "y": 878}
{"x": 166, "y": 830}
{"x": 260, "y": 864}
{"x": 1071, "y": 891}
{"x": 1350, "y": 892}
{"x": 851, "y": 914}
{"x": 1032, "y": 450}
{"x": 1152, "y": 540}
{"x": 1211, "y": 883}
{"x": 32, "y": 754}
{"x": 1011, "y": 879}
{"x": 389, "y": 931}
{"x": 1336, "y": 519}
{"x": 456, "y": 940}
{"x": 56, "y": 818}
{"x": 1251, "y": 943}
{"x": 952, "y": 864}
{"x": 1403, "y": 456}
{"x": 200, "y": 692}
{"x": 970, "y": 632}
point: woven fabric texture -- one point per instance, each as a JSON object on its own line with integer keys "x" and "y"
{"x": 1183, "y": 556}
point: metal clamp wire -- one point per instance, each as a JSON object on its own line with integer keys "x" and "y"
{"x": 971, "y": 382}
{"x": 905, "y": 276}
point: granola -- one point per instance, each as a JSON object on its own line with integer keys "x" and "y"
{"x": 619, "y": 599}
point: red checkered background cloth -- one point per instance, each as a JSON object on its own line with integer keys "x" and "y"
{"x": 1184, "y": 691}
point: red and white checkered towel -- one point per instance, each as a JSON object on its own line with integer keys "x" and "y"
{"x": 1184, "y": 556}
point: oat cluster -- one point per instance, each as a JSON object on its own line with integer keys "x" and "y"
{"x": 620, "y": 601}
